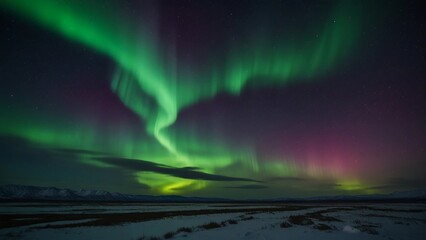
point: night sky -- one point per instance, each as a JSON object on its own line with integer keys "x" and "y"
{"x": 236, "y": 99}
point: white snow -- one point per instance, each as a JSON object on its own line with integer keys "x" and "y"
{"x": 350, "y": 229}
{"x": 265, "y": 225}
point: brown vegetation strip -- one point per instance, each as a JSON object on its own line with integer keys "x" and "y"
{"x": 107, "y": 219}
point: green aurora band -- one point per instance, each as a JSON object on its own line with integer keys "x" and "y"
{"x": 151, "y": 83}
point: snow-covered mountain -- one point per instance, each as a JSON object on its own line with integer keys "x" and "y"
{"x": 20, "y": 192}
{"x": 32, "y": 193}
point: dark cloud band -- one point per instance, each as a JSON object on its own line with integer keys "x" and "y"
{"x": 185, "y": 172}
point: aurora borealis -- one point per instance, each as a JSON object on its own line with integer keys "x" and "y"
{"x": 213, "y": 98}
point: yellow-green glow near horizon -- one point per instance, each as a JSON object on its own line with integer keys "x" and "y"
{"x": 148, "y": 83}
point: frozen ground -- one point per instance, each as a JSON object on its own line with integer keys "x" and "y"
{"x": 212, "y": 221}
{"x": 25, "y": 208}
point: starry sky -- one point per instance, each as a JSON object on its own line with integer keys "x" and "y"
{"x": 236, "y": 99}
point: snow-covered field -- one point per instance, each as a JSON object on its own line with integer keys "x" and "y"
{"x": 212, "y": 221}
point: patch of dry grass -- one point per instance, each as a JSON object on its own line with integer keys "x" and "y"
{"x": 285, "y": 225}
{"x": 169, "y": 235}
{"x": 232, "y": 221}
{"x": 184, "y": 229}
{"x": 323, "y": 227}
{"x": 211, "y": 225}
{"x": 300, "y": 220}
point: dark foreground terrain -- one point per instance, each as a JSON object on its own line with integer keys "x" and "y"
{"x": 212, "y": 221}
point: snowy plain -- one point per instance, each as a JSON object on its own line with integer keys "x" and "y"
{"x": 212, "y": 221}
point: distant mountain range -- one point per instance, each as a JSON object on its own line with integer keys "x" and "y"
{"x": 32, "y": 193}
